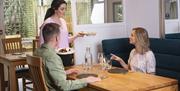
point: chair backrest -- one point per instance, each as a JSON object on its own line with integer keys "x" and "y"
{"x": 36, "y": 68}
{"x": 12, "y": 45}
{"x": 35, "y": 44}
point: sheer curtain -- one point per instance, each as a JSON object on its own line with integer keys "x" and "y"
{"x": 173, "y": 9}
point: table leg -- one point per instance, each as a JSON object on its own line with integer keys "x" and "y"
{"x": 2, "y": 85}
{"x": 12, "y": 78}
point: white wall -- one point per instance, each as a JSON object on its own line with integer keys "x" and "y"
{"x": 103, "y": 31}
{"x": 143, "y": 13}
{"x": 172, "y": 26}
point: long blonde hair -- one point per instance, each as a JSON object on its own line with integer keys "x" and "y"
{"x": 142, "y": 40}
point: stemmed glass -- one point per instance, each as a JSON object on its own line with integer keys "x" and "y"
{"x": 105, "y": 64}
{"x": 109, "y": 63}
{"x": 104, "y": 61}
{"x": 100, "y": 57}
{"x": 104, "y": 68}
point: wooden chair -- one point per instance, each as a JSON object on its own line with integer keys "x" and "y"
{"x": 14, "y": 45}
{"x": 35, "y": 44}
{"x": 36, "y": 68}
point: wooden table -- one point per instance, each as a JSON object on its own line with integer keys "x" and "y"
{"x": 131, "y": 81}
{"x": 11, "y": 61}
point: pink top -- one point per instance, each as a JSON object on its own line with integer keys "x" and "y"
{"x": 64, "y": 39}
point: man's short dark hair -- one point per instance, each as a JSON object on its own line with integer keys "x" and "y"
{"x": 49, "y": 30}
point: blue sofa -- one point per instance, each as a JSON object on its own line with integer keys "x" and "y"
{"x": 172, "y": 36}
{"x": 167, "y": 54}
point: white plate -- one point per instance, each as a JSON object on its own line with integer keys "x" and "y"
{"x": 22, "y": 56}
{"x": 69, "y": 51}
{"x": 17, "y": 53}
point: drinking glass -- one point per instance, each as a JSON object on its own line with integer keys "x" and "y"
{"x": 103, "y": 65}
{"x": 109, "y": 63}
{"x": 100, "y": 57}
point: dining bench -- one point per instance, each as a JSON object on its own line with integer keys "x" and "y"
{"x": 167, "y": 54}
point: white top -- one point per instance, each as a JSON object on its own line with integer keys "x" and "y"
{"x": 145, "y": 63}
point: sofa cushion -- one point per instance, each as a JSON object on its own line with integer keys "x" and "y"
{"x": 119, "y": 47}
{"x": 167, "y": 73}
{"x": 172, "y": 36}
{"x": 165, "y": 46}
{"x": 116, "y": 46}
{"x": 166, "y": 61}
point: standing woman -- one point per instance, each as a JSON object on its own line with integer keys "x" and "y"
{"x": 141, "y": 58}
{"x": 55, "y": 14}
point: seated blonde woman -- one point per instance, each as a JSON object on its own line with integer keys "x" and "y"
{"x": 141, "y": 58}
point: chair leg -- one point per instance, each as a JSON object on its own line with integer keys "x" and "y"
{"x": 34, "y": 89}
{"x": 24, "y": 84}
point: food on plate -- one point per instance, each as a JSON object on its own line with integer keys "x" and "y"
{"x": 64, "y": 50}
{"x": 81, "y": 33}
{"x": 88, "y": 33}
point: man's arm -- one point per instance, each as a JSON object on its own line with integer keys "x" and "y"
{"x": 58, "y": 75}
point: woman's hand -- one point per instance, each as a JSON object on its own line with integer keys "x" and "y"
{"x": 80, "y": 34}
{"x": 120, "y": 60}
{"x": 116, "y": 58}
{"x": 72, "y": 71}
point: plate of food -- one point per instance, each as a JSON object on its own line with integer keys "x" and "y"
{"x": 22, "y": 56}
{"x": 88, "y": 33}
{"x": 65, "y": 51}
{"x": 17, "y": 53}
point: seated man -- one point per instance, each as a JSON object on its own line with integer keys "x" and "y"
{"x": 54, "y": 72}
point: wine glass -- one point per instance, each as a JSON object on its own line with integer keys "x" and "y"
{"x": 103, "y": 73}
{"x": 109, "y": 63}
{"x": 100, "y": 57}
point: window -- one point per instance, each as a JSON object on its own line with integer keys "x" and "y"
{"x": 20, "y": 20}
{"x": 171, "y": 9}
{"x": 20, "y": 17}
{"x": 99, "y": 11}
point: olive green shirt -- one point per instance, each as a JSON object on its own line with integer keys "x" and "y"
{"x": 54, "y": 72}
